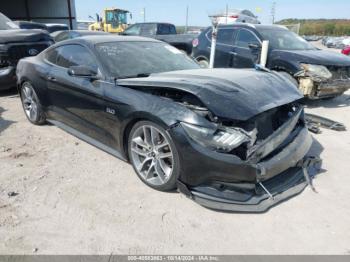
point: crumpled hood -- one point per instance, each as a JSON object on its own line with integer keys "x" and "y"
{"x": 236, "y": 94}
{"x": 318, "y": 57}
{"x": 23, "y": 36}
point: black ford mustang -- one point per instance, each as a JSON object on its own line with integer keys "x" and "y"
{"x": 230, "y": 139}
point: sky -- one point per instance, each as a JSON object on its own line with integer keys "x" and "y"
{"x": 174, "y": 11}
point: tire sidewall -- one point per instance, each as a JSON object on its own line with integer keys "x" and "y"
{"x": 40, "y": 119}
{"x": 171, "y": 184}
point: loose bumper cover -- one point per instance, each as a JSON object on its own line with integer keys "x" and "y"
{"x": 278, "y": 176}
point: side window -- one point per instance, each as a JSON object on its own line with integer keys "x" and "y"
{"x": 75, "y": 55}
{"x": 172, "y": 30}
{"x": 148, "y": 29}
{"x": 163, "y": 29}
{"x": 225, "y": 36}
{"x": 51, "y": 56}
{"x": 133, "y": 30}
{"x": 245, "y": 38}
{"x": 248, "y": 13}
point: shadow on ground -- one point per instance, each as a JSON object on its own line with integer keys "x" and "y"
{"x": 340, "y": 101}
{"x": 4, "y": 123}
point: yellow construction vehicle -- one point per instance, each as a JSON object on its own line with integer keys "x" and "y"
{"x": 114, "y": 20}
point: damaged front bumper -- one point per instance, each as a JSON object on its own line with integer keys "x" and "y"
{"x": 316, "y": 87}
{"x": 253, "y": 198}
{"x": 275, "y": 172}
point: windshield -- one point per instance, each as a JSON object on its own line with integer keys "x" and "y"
{"x": 116, "y": 17}
{"x": 127, "y": 59}
{"x": 6, "y": 24}
{"x": 285, "y": 40}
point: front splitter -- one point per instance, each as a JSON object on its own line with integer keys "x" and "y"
{"x": 280, "y": 188}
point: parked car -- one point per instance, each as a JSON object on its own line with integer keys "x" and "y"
{"x": 30, "y": 25}
{"x": 164, "y": 32}
{"x": 346, "y": 51}
{"x": 335, "y": 42}
{"x": 56, "y": 27}
{"x": 16, "y": 43}
{"x": 237, "y": 16}
{"x": 312, "y": 38}
{"x": 205, "y": 131}
{"x": 59, "y": 36}
{"x": 317, "y": 73}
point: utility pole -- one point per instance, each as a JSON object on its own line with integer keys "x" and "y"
{"x": 144, "y": 14}
{"x": 273, "y": 12}
{"x": 226, "y": 13}
{"x": 186, "y": 27}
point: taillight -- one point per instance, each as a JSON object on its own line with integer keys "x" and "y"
{"x": 234, "y": 16}
{"x": 195, "y": 42}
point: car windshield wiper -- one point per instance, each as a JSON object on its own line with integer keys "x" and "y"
{"x": 135, "y": 76}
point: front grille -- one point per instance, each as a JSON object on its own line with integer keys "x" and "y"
{"x": 339, "y": 72}
{"x": 17, "y": 52}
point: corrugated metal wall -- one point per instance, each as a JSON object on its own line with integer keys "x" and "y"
{"x": 45, "y": 11}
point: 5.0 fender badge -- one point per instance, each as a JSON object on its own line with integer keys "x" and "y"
{"x": 110, "y": 110}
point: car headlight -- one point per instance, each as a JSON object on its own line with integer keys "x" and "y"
{"x": 222, "y": 139}
{"x": 317, "y": 71}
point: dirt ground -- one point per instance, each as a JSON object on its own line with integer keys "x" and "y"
{"x": 71, "y": 198}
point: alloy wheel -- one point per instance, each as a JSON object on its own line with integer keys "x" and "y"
{"x": 30, "y": 101}
{"x": 152, "y": 155}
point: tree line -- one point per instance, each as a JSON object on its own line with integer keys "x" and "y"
{"x": 332, "y": 27}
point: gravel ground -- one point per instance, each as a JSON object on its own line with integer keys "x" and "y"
{"x": 67, "y": 197}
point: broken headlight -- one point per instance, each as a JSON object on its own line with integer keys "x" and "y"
{"x": 222, "y": 139}
{"x": 316, "y": 71}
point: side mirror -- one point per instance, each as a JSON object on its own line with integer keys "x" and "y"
{"x": 83, "y": 71}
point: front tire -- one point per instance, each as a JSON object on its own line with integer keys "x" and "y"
{"x": 153, "y": 155}
{"x": 31, "y": 104}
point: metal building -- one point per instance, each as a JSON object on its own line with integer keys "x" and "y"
{"x": 44, "y": 11}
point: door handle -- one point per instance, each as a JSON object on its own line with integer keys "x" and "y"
{"x": 51, "y": 78}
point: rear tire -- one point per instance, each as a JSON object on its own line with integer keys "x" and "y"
{"x": 31, "y": 104}
{"x": 203, "y": 63}
{"x": 154, "y": 156}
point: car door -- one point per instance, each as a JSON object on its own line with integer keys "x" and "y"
{"x": 246, "y": 49}
{"x": 78, "y": 102}
{"x": 224, "y": 47}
